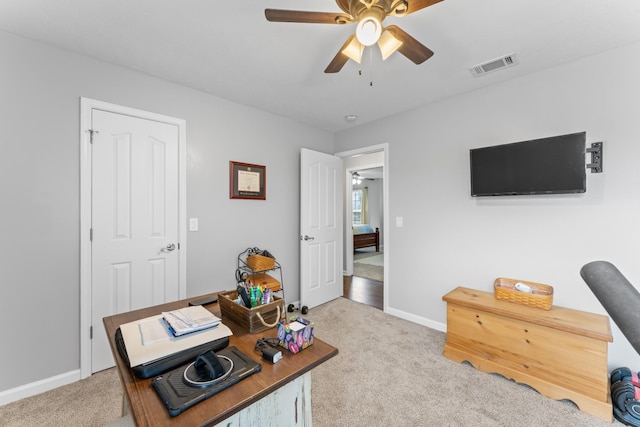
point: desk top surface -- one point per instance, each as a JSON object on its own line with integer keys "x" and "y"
{"x": 566, "y": 319}
{"x": 147, "y": 408}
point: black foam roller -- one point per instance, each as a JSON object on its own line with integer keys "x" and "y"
{"x": 619, "y": 297}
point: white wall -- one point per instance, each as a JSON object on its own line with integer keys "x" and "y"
{"x": 450, "y": 239}
{"x": 39, "y": 197}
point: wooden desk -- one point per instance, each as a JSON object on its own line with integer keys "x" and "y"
{"x": 147, "y": 408}
{"x": 562, "y": 353}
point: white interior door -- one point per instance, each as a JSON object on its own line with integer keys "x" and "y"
{"x": 134, "y": 220}
{"x": 321, "y": 218}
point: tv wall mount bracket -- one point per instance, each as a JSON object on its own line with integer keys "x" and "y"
{"x": 596, "y": 157}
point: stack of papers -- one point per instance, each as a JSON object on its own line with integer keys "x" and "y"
{"x": 149, "y": 339}
{"x": 190, "y": 319}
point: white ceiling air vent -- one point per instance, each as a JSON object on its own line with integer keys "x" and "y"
{"x": 494, "y": 65}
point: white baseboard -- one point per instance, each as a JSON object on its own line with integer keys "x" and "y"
{"x": 417, "y": 319}
{"x": 38, "y": 387}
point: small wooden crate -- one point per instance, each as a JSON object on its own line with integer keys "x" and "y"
{"x": 260, "y": 263}
{"x": 541, "y": 295}
{"x": 249, "y": 318}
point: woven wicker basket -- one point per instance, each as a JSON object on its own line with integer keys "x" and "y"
{"x": 541, "y": 295}
{"x": 260, "y": 263}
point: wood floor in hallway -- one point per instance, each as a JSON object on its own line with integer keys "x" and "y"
{"x": 363, "y": 290}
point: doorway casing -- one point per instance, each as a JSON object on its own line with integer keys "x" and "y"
{"x": 348, "y": 231}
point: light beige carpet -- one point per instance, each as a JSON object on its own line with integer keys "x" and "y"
{"x": 374, "y": 259}
{"x": 91, "y": 402}
{"x": 369, "y": 271}
{"x": 368, "y": 264}
{"x": 389, "y": 372}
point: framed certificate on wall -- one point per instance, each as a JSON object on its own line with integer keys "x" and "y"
{"x": 247, "y": 181}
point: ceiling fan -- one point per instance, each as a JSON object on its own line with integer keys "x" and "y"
{"x": 368, "y": 14}
{"x": 356, "y": 178}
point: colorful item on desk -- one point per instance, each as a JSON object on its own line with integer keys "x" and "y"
{"x": 296, "y": 335}
{"x": 253, "y": 296}
{"x": 256, "y": 296}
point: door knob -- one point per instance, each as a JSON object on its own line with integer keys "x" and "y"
{"x": 308, "y": 237}
{"x": 169, "y": 248}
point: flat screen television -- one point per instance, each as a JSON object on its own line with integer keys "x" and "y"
{"x": 554, "y": 165}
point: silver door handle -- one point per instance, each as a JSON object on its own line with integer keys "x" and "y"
{"x": 308, "y": 237}
{"x": 169, "y": 248}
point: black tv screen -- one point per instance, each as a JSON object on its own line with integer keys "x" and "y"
{"x": 552, "y": 165}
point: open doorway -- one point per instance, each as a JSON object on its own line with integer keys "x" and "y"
{"x": 366, "y": 285}
{"x": 367, "y": 223}
{"x": 366, "y": 196}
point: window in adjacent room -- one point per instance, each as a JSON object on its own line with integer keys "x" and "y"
{"x": 356, "y": 206}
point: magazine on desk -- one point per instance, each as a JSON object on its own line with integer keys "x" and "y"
{"x": 189, "y": 319}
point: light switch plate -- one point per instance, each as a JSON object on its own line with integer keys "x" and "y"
{"x": 193, "y": 224}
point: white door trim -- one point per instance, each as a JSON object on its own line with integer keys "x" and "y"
{"x": 86, "y": 106}
{"x": 384, "y": 147}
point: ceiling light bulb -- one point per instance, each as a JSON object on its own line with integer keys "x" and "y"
{"x": 369, "y": 30}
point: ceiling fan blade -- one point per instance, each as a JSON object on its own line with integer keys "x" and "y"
{"x": 337, "y": 63}
{"x": 341, "y": 57}
{"x": 344, "y": 5}
{"x": 416, "y": 5}
{"x": 278, "y": 15}
{"x": 411, "y": 48}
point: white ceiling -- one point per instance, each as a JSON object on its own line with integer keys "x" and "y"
{"x": 229, "y": 49}
{"x": 373, "y": 173}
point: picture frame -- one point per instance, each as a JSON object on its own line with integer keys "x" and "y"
{"x": 247, "y": 181}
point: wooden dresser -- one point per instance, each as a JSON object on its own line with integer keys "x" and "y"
{"x": 562, "y": 353}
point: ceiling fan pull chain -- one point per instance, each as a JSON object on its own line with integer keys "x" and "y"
{"x": 370, "y": 67}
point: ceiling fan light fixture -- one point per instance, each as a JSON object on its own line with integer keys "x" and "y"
{"x": 354, "y": 50}
{"x": 370, "y": 26}
{"x": 356, "y": 178}
{"x": 388, "y": 44}
{"x": 368, "y": 15}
